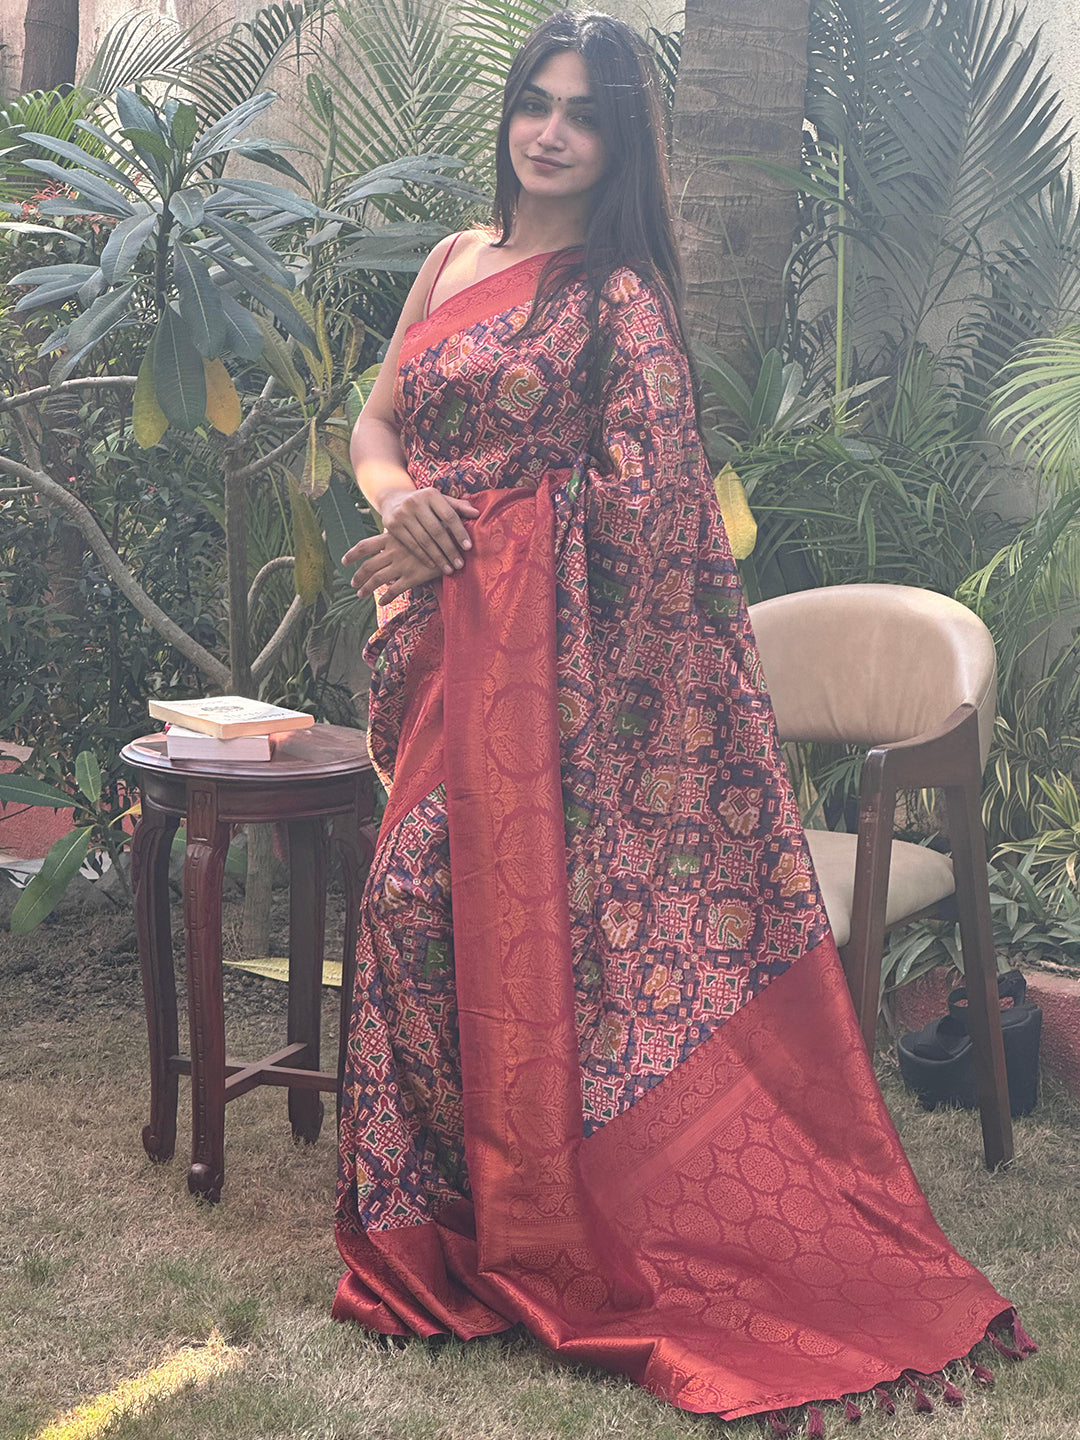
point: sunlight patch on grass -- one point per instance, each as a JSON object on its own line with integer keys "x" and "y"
{"x": 276, "y": 967}
{"x": 191, "y": 1366}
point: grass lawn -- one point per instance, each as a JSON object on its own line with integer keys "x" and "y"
{"x": 108, "y": 1267}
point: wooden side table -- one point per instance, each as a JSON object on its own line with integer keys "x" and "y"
{"x": 316, "y": 774}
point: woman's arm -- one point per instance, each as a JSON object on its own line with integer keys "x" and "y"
{"x": 426, "y": 524}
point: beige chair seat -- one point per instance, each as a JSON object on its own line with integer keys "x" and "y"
{"x": 918, "y": 878}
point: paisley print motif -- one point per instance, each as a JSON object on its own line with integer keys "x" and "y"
{"x": 586, "y": 1088}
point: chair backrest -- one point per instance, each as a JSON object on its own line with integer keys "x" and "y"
{"x": 870, "y": 664}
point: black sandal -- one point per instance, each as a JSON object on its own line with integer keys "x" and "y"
{"x": 937, "y": 1062}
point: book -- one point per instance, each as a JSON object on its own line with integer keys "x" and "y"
{"x": 226, "y": 716}
{"x": 184, "y": 744}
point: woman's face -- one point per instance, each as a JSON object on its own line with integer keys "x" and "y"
{"x": 555, "y": 146}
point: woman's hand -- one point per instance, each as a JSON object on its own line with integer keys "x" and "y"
{"x": 428, "y": 524}
{"x": 384, "y": 561}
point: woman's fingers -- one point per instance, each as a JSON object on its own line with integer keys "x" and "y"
{"x": 379, "y": 571}
{"x": 424, "y": 538}
{"x": 430, "y": 525}
{"x": 374, "y": 556}
{"x": 392, "y": 569}
{"x": 430, "y": 540}
{"x": 450, "y": 511}
{"x": 362, "y": 549}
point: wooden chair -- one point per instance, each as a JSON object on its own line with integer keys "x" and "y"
{"x": 912, "y": 675}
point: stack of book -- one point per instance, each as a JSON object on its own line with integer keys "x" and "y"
{"x": 225, "y": 727}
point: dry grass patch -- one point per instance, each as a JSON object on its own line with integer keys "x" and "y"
{"x": 107, "y": 1266}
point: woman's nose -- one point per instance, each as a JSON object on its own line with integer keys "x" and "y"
{"x": 552, "y": 135}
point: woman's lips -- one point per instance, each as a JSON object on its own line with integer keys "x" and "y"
{"x": 547, "y": 164}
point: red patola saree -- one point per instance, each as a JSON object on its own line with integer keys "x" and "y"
{"x": 622, "y": 1099}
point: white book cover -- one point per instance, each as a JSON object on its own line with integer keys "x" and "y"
{"x": 184, "y": 744}
{"x": 226, "y": 716}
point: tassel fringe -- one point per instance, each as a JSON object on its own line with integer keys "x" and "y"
{"x": 951, "y": 1394}
{"x": 884, "y": 1400}
{"x": 1022, "y": 1339}
{"x": 923, "y": 1404}
{"x": 782, "y": 1424}
{"x": 1003, "y": 1349}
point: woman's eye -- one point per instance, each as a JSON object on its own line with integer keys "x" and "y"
{"x": 531, "y": 107}
{"x": 588, "y": 121}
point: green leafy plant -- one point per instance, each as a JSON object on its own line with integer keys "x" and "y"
{"x": 1052, "y": 854}
{"x": 937, "y": 234}
{"x": 202, "y": 266}
{"x": 1033, "y": 917}
{"x": 184, "y": 246}
{"x": 202, "y": 280}
{"x": 99, "y": 826}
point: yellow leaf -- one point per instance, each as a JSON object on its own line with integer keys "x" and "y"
{"x": 358, "y": 394}
{"x": 222, "y": 401}
{"x": 735, "y": 511}
{"x": 303, "y": 307}
{"x": 148, "y": 420}
{"x": 339, "y": 454}
{"x": 365, "y": 381}
{"x": 278, "y": 361}
{"x": 310, "y": 560}
{"x": 352, "y": 346}
{"x": 306, "y": 311}
{"x": 324, "y": 340}
{"x": 318, "y": 465}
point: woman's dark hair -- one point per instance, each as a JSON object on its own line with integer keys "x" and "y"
{"x": 630, "y": 221}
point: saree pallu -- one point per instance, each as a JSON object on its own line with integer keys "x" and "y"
{"x": 604, "y": 1077}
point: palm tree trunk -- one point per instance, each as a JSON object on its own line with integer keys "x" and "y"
{"x": 740, "y": 92}
{"x": 51, "y": 47}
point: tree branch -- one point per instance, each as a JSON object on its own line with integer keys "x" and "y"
{"x": 239, "y": 440}
{"x": 295, "y": 441}
{"x": 88, "y": 382}
{"x": 260, "y": 666}
{"x": 82, "y": 519}
{"x": 270, "y": 568}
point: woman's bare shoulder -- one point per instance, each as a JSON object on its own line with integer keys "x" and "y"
{"x": 453, "y": 264}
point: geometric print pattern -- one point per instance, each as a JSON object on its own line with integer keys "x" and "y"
{"x": 689, "y": 881}
{"x": 402, "y": 1102}
{"x": 738, "y": 1229}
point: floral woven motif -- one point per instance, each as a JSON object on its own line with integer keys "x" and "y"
{"x": 597, "y": 995}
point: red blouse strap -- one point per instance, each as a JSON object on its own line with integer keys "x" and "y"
{"x": 442, "y": 267}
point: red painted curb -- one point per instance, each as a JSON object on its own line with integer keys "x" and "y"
{"x": 28, "y": 831}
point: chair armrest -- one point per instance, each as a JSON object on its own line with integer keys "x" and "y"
{"x": 947, "y": 755}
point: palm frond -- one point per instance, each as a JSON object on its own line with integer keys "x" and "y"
{"x": 143, "y": 47}
{"x": 947, "y": 119}
{"x": 1038, "y": 404}
{"x": 38, "y": 112}
{"x": 241, "y": 62}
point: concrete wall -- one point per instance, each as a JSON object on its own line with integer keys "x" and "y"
{"x": 96, "y": 17}
{"x": 1058, "y": 19}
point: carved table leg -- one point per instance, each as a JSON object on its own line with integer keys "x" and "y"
{"x": 204, "y": 870}
{"x": 151, "y": 846}
{"x": 307, "y": 929}
{"x": 356, "y": 848}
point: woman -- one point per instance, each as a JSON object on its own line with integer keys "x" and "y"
{"x": 623, "y": 1099}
